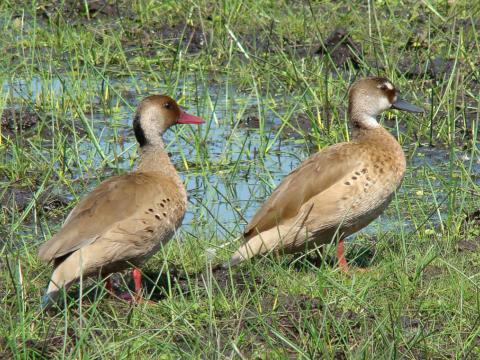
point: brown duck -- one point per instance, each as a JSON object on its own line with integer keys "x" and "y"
{"x": 126, "y": 219}
{"x": 337, "y": 191}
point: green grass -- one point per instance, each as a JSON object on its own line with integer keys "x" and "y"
{"x": 79, "y": 73}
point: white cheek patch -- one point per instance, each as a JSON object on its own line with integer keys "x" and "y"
{"x": 384, "y": 104}
{"x": 150, "y": 126}
{"x": 380, "y": 105}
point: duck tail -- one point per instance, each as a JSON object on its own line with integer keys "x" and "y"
{"x": 56, "y": 286}
{"x": 48, "y": 300}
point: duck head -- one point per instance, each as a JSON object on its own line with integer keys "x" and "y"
{"x": 370, "y": 97}
{"x": 155, "y": 114}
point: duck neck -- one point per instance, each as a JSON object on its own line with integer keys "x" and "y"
{"x": 154, "y": 158}
{"x": 362, "y": 122}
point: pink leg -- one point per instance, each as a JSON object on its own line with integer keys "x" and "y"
{"x": 342, "y": 262}
{"x": 137, "y": 279}
{"x": 137, "y": 298}
{"x": 109, "y": 285}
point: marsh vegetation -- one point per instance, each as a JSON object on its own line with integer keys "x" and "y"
{"x": 271, "y": 80}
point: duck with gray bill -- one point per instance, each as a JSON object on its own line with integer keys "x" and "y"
{"x": 337, "y": 191}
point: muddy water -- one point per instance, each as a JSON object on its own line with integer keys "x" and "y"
{"x": 230, "y": 178}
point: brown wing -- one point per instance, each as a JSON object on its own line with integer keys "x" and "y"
{"x": 313, "y": 176}
{"x": 115, "y": 199}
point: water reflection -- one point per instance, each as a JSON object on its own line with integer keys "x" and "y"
{"x": 229, "y": 173}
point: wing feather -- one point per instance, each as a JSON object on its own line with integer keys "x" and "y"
{"x": 115, "y": 199}
{"x": 316, "y": 174}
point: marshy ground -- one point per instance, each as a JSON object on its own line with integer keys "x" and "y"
{"x": 271, "y": 79}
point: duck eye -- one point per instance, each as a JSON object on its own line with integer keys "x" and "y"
{"x": 167, "y": 105}
{"x": 383, "y": 87}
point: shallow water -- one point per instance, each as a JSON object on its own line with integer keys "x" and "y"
{"x": 230, "y": 178}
